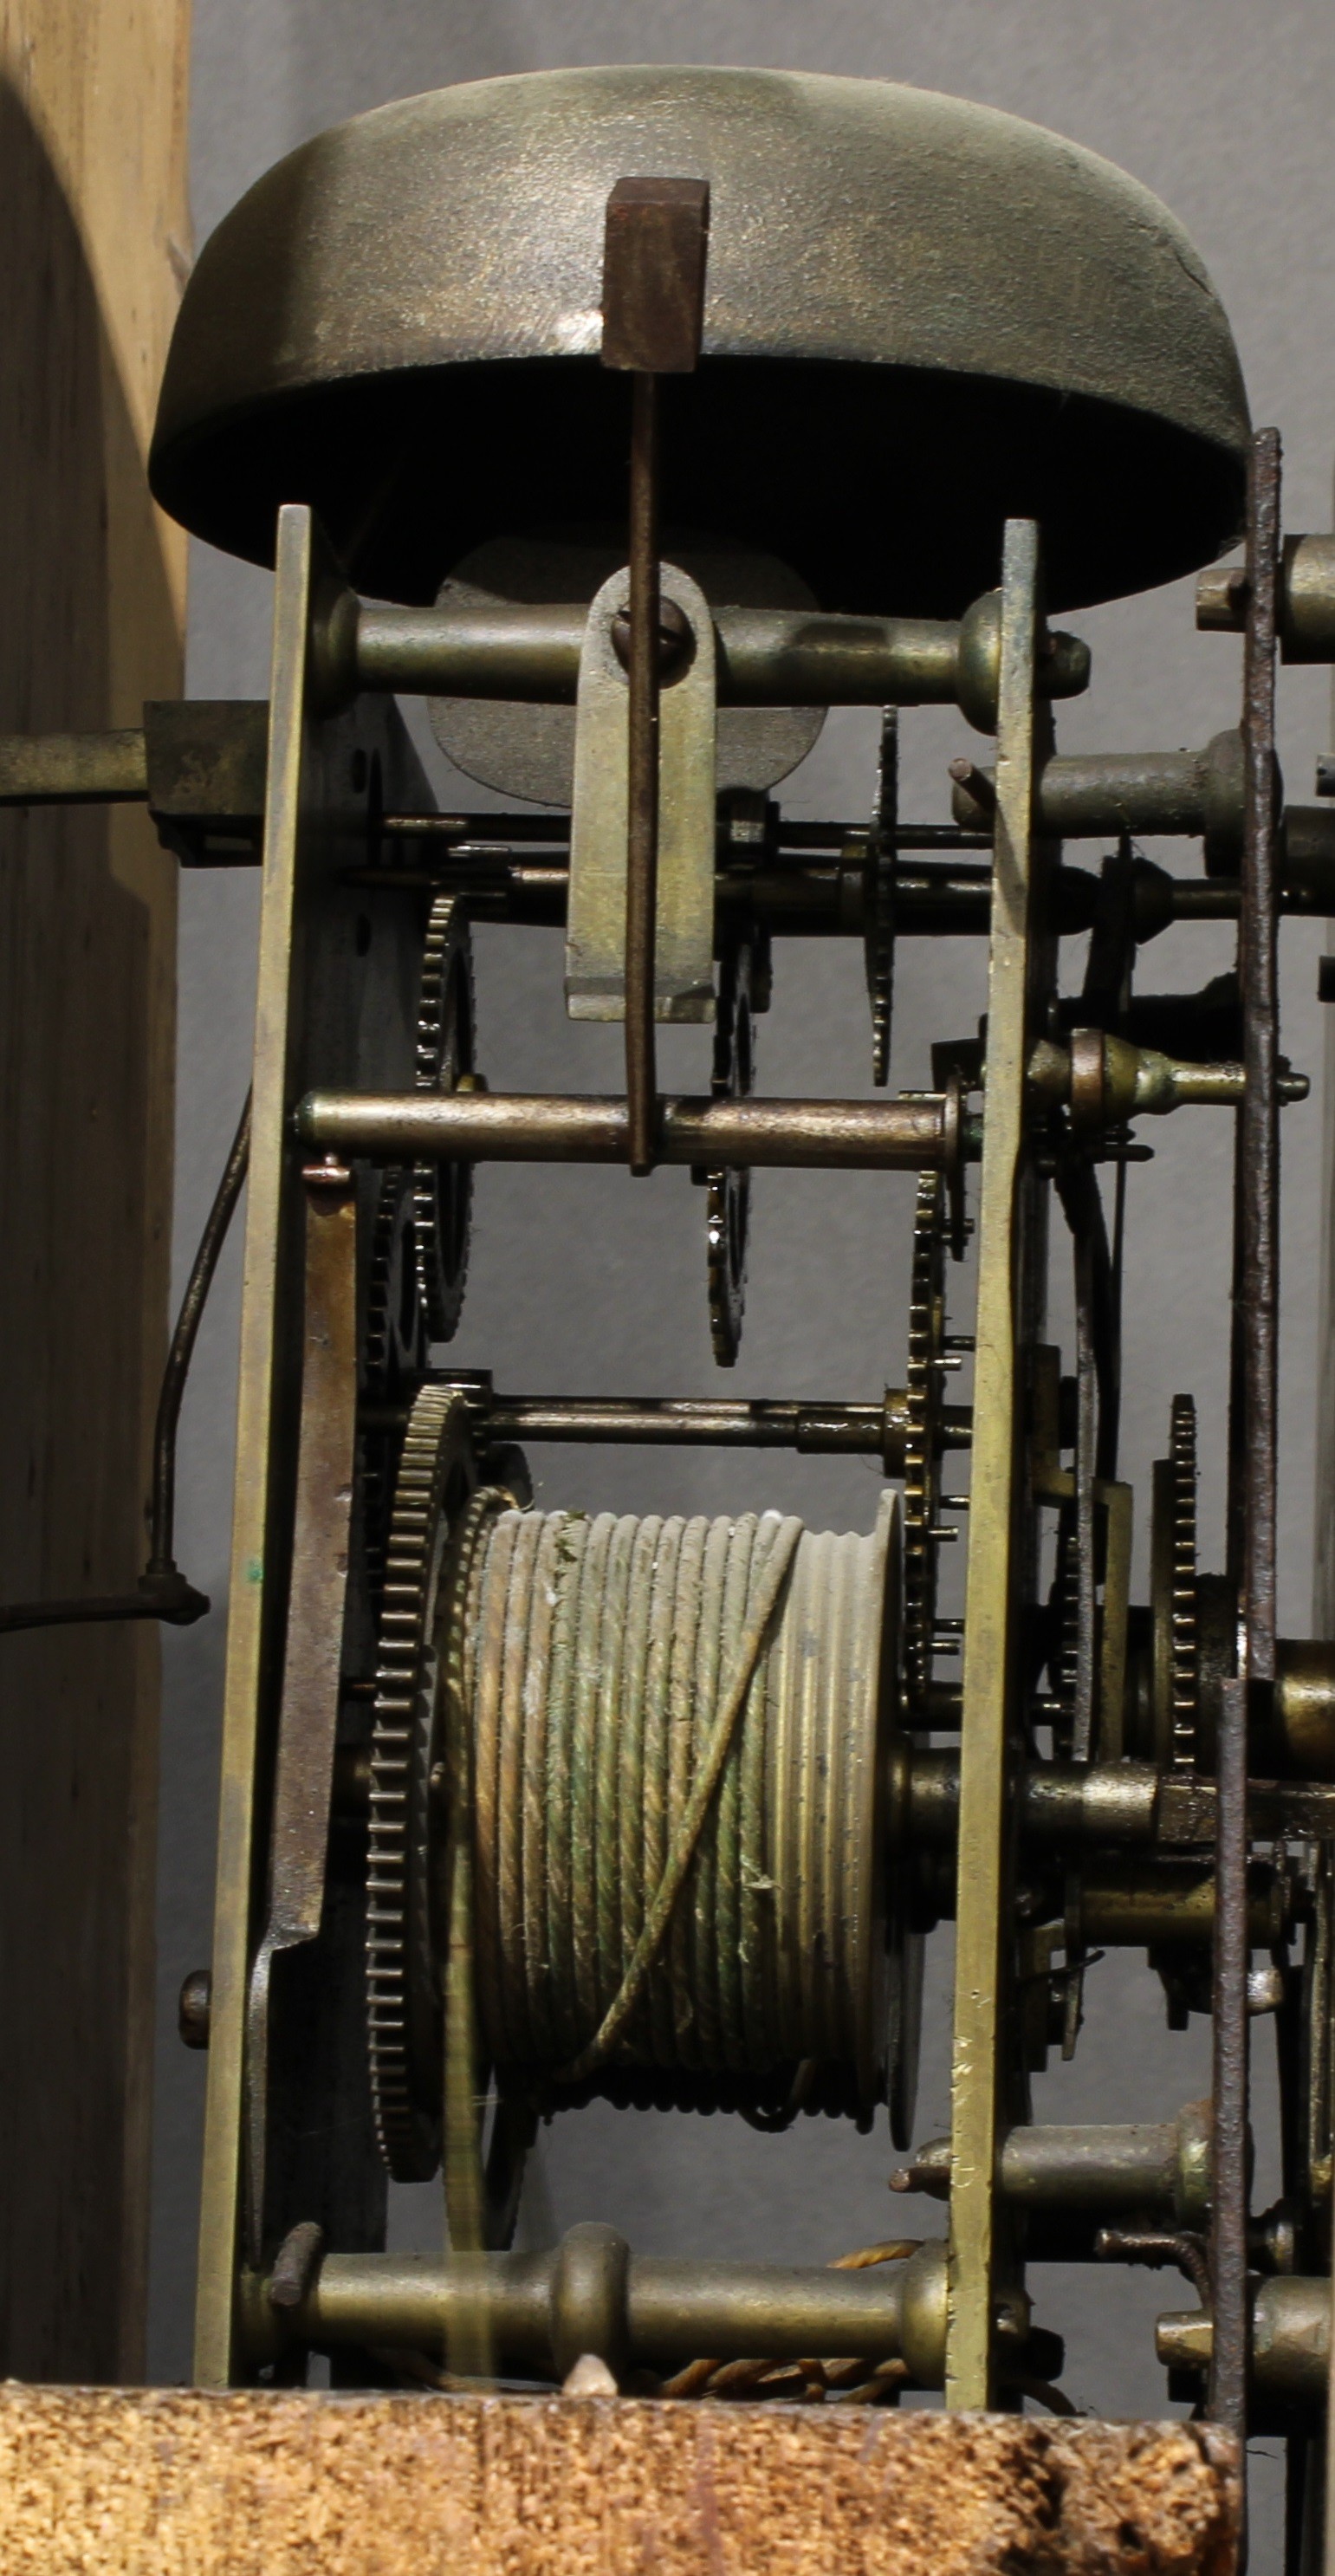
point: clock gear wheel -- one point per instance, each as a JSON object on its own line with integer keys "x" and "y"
{"x": 393, "y": 1356}
{"x": 728, "y": 1204}
{"x": 436, "y": 1479}
{"x": 922, "y": 1437}
{"x": 878, "y": 897}
{"x": 443, "y": 1192}
{"x": 1173, "y": 1593}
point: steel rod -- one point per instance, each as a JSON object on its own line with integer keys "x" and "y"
{"x": 802, "y": 901}
{"x": 906, "y": 1135}
{"x": 642, "y": 777}
{"x": 860, "y": 1430}
{"x": 1101, "y": 2169}
{"x": 74, "y": 768}
{"x": 689, "y": 1422}
{"x": 766, "y": 657}
{"x": 796, "y": 838}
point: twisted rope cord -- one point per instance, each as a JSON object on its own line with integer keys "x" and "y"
{"x": 770, "y": 1585}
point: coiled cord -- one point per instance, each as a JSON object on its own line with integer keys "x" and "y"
{"x": 598, "y": 1659}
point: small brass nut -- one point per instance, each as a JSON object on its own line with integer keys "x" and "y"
{"x": 1089, "y": 1084}
{"x": 194, "y": 2006}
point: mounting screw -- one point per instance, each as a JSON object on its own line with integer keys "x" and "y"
{"x": 1325, "y": 773}
{"x": 193, "y": 2008}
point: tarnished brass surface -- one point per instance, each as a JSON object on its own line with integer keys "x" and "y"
{"x": 1111, "y": 1080}
{"x": 601, "y": 1648}
{"x": 596, "y": 916}
{"x": 323, "y": 1010}
{"x": 1305, "y": 605}
{"x": 317, "y": 1597}
{"x": 252, "y": 1507}
{"x": 73, "y": 768}
{"x": 527, "y": 750}
{"x": 1099, "y": 792}
{"x": 990, "y": 1594}
{"x": 765, "y": 657}
{"x": 1305, "y": 1706}
{"x": 1138, "y": 2165}
{"x": 1174, "y": 1902}
{"x": 206, "y": 761}
{"x": 1057, "y": 1802}
{"x": 892, "y": 274}
{"x": 905, "y": 1135}
{"x": 652, "y": 2311}
{"x": 871, "y": 1430}
{"x": 1290, "y": 2338}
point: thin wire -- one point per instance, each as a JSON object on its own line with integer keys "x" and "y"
{"x": 161, "y": 1560}
{"x": 163, "y": 1592}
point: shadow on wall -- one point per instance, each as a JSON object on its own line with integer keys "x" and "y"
{"x": 84, "y": 990}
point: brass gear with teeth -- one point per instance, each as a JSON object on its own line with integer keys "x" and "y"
{"x": 922, "y": 1437}
{"x": 728, "y": 1206}
{"x": 1173, "y": 1593}
{"x": 436, "y": 1478}
{"x": 878, "y": 898}
{"x": 393, "y": 1358}
{"x": 443, "y": 1192}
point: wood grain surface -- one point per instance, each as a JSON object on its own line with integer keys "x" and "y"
{"x": 93, "y": 248}
{"x": 178, "y": 2483}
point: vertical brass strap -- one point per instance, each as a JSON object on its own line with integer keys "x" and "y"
{"x": 246, "y": 1623}
{"x": 308, "y": 1717}
{"x": 642, "y": 777}
{"x": 991, "y": 1584}
{"x": 322, "y": 1522}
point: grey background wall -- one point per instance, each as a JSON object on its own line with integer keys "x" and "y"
{"x": 580, "y": 1283}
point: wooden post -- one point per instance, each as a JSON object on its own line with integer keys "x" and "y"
{"x": 93, "y": 249}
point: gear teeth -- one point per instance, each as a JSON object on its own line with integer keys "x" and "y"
{"x": 443, "y": 1192}
{"x": 398, "y": 1931}
{"x": 393, "y": 1355}
{"x": 922, "y": 1465}
{"x": 728, "y": 1205}
{"x": 1185, "y": 1675}
{"x": 878, "y": 894}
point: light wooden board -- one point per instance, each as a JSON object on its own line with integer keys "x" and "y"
{"x": 93, "y": 246}
{"x": 179, "y": 2483}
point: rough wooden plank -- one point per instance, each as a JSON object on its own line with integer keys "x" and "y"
{"x": 180, "y": 2483}
{"x": 92, "y": 249}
